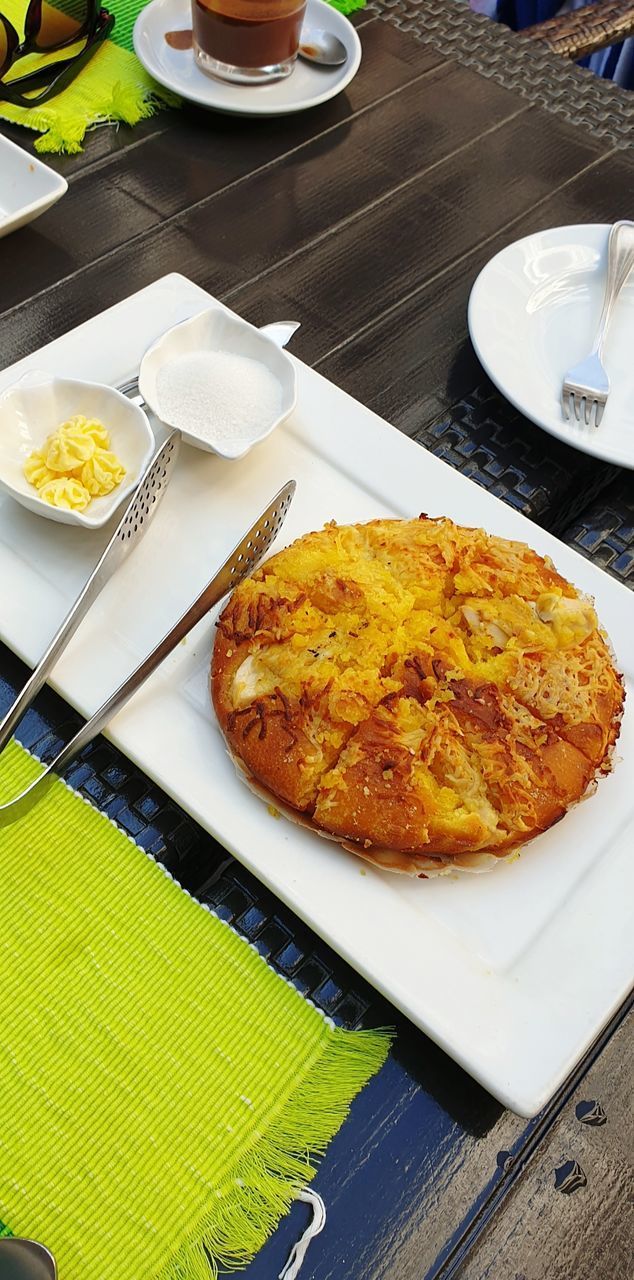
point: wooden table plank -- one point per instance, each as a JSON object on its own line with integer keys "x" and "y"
{"x": 421, "y": 348}
{"x": 413, "y": 363}
{"x": 572, "y": 1211}
{"x": 424, "y": 232}
{"x": 101, "y": 142}
{"x": 191, "y": 189}
{"x": 383, "y": 60}
{"x": 219, "y": 243}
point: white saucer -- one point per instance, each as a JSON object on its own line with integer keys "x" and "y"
{"x": 533, "y": 312}
{"x": 306, "y": 87}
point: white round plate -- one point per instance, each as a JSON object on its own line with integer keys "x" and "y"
{"x": 533, "y": 312}
{"x": 307, "y": 86}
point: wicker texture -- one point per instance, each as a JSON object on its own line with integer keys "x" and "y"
{"x": 604, "y": 532}
{"x": 526, "y": 67}
{"x": 584, "y": 31}
{"x": 489, "y": 441}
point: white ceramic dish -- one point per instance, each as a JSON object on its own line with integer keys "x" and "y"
{"x": 218, "y": 330}
{"x": 36, "y": 406}
{"x": 307, "y": 86}
{"x": 513, "y": 973}
{"x": 27, "y": 187}
{"x": 533, "y": 313}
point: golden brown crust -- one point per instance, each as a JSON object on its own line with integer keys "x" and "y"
{"x": 270, "y": 734}
{"x": 426, "y": 694}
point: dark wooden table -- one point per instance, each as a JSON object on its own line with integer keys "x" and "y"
{"x": 368, "y": 219}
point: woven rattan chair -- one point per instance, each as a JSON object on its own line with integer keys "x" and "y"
{"x": 585, "y": 31}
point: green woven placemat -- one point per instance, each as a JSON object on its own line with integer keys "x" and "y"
{"x": 112, "y": 87}
{"x": 161, "y": 1089}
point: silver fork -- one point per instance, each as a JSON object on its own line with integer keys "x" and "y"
{"x": 586, "y": 387}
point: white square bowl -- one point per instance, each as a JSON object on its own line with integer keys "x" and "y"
{"x": 27, "y": 187}
{"x": 35, "y": 406}
{"x": 217, "y": 330}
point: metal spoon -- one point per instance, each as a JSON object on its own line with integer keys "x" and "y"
{"x": 26, "y": 1260}
{"x": 322, "y": 47}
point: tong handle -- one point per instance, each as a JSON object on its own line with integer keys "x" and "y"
{"x": 102, "y": 571}
{"x": 243, "y": 560}
{"x": 208, "y": 598}
{"x": 281, "y": 333}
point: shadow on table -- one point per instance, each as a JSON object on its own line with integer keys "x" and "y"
{"x": 32, "y": 245}
{"x": 295, "y": 128}
{"x": 443, "y": 1080}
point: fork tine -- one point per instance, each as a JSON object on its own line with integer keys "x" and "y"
{"x": 590, "y": 406}
{"x": 577, "y": 401}
{"x": 600, "y": 412}
{"x": 565, "y": 402}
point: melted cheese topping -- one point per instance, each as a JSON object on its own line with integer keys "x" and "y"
{"x": 428, "y": 667}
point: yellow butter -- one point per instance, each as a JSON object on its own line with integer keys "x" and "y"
{"x": 65, "y": 492}
{"x": 68, "y": 448}
{"x": 95, "y": 429}
{"x": 102, "y": 473}
{"x": 36, "y": 470}
{"x": 75, "y": 464}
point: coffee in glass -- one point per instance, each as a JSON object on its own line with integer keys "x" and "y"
{"x": 247, "y": 41}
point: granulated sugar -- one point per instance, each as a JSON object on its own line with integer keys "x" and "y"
{"x": 219, "y": 396}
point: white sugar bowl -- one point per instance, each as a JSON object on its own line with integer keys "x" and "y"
{"x": 222, "y": 383}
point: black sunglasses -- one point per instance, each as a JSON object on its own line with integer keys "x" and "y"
{"x": 48, "y": 28}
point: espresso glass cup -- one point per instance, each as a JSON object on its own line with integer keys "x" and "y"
{"x": 247, "y": 41}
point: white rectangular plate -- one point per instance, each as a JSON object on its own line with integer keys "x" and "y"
{"x": 513, "y": 973}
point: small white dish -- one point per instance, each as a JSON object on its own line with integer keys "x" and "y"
{"x": 533, "y": 314}
{"x": 218, "y": 330}
{"x": 35, "y": 406}
{"x": 28, "y": 187}
{"x": 307, "y": 86}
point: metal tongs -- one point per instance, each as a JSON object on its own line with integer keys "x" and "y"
{"x": 243, "y": 560}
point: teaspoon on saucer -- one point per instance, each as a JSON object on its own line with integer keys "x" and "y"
{"x": 322, "y": 47}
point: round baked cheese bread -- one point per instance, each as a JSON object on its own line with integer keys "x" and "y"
{"x": 430, "y": 695}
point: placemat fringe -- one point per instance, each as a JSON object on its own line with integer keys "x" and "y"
{"x": 272, "y": 1175}
{"x": 112, "y": 973}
